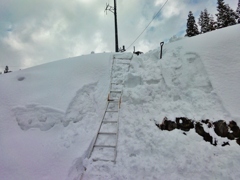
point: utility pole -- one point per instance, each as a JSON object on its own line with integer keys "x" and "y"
{"x": 116, "y": 28}
{"x": 114, "y": 11}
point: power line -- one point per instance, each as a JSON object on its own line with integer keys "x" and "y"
{"x": 148, "y": 24}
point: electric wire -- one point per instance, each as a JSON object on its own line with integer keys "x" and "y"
{"x": 148, "y": 24}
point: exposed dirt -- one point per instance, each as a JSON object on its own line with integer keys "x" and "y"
{"x": 221, "y": 128}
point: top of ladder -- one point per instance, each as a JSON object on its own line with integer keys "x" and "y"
{"x": 128, "y": 56}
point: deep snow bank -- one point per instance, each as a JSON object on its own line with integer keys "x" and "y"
{"x": 48, "y": 117}
{"x": 185, "y": 83}
{"x": 220, "y": 55}
{"x": 199, "y": 75}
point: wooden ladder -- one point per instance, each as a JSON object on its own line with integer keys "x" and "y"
{"x": 104, "y": 146}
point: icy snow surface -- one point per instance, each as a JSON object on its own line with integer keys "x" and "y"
{"x": 50, "y": 114}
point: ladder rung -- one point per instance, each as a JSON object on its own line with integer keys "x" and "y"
{"x": 113, "y": 100}
{"x": 124, "y": 63}
{"x": 109, "y": 121}
{"x": 106, "y": 160}
{"x": 116, "y": 91}
{"x": 111, "y": 111}
{"x": 106, "y": 146}
{"x": 119, "y": 61}
{"x": 108, "y": 133}
{"x": 117, "y": 83}
{"x": 123, "y": 59}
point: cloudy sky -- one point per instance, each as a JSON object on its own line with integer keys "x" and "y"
{"x": 34, "y": 32}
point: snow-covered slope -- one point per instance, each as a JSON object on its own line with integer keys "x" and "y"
{"x": 49, "y": 114}
{"x": 197, "y": 77}
{"x": 37, "y": 105}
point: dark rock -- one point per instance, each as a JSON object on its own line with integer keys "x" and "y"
{"x": 210, "y": 125}
{"x": 238, "y": 141}
{"x": 231, "y": 136}
{"x": 234, "y": 127}
{"x": 167, "y": 125}
{"x": 206, "y": 136}
{"x": 232, "y": 123}
{"x": 205, "y": 121}
{"x": 199, "y": 129}
{"x": 163, "y": 125}
{"x": 221, "y": 128}
{"x": 185, "y": 125}
{"x": 158, "y": 125}
{"x": 236, "y": 131}
{"x": 215, "y": 142}
{"x": 170, "y": 125}
{"x": 208, "y": 122}
{"x": 225, "y": 144}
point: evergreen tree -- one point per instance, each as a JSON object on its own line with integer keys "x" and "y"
{"x": 6, "y": 69}
{"x": 200, "y": 21}
{"x": 205, "y": 21}
{"x": 225, "y": 16}
{"x": 231, "y": 16}
{"x": 192, "y": 28}
{"x": 212, "y": 23}
{"x": 238, "y": 11}
{"x": 221, "y": 14}
{"x": 206, "y": 18}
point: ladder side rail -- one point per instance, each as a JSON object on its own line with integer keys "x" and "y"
{"x": 113, "y": 60}
{"x": 120, "y": 100}
{"x": 95, "y": 138}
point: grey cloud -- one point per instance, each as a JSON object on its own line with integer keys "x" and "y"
{"x": 39, "y": 31}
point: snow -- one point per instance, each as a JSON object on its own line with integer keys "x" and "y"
{"x": 220, "y": 57}
{"x": 42, "y": 116}
{"x": 49, "y": 114}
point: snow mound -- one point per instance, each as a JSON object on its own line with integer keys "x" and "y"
{"x": 185, "y": 83}
{"x": 49, "y": 115}
{"x": 178, "y": 85}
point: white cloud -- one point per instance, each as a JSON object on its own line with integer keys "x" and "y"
{"x": 40, "y": 31}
